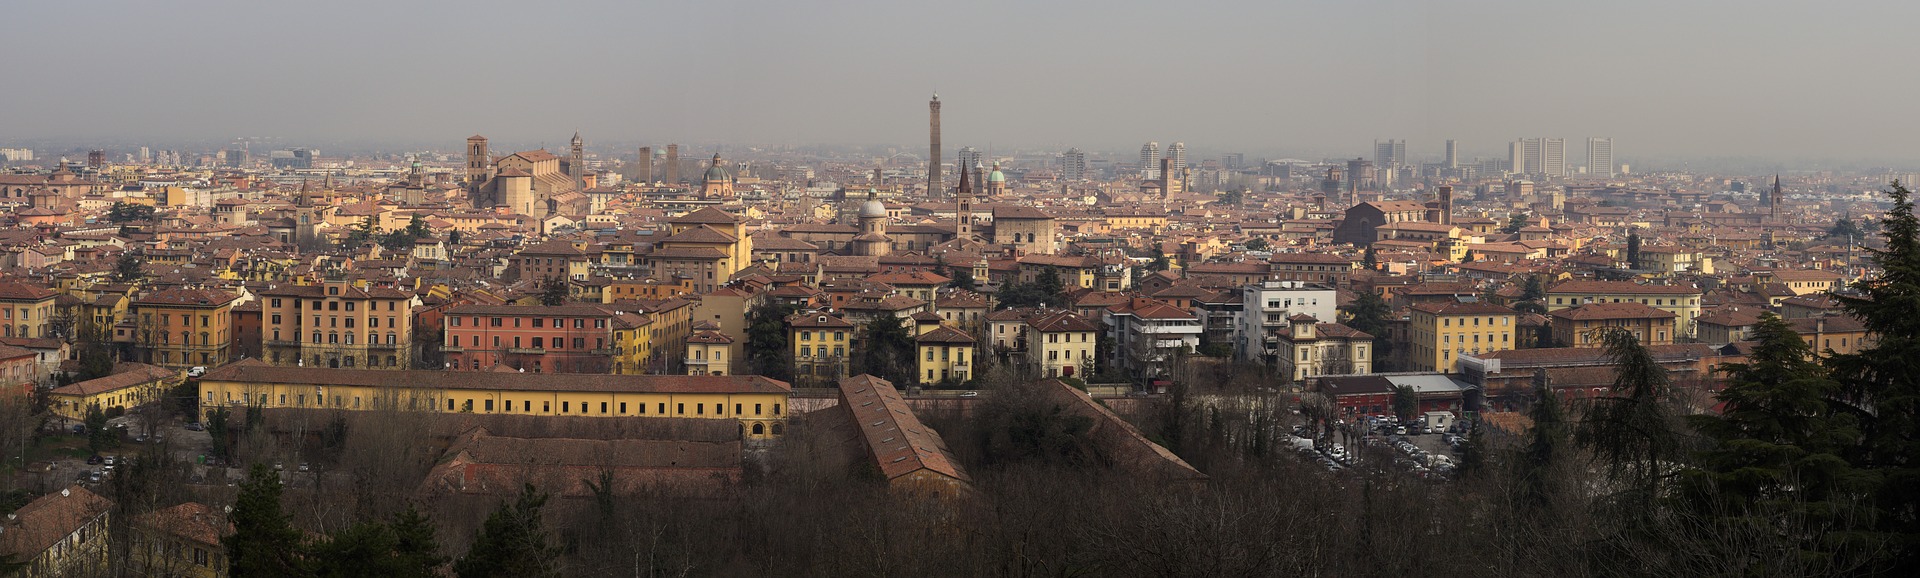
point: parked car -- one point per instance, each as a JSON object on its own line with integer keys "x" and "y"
{"x": 970, "y": 394}
{"x": 197, "y": 371}
{"x": 305, "y": 468}
{"x": 1401, "y": 430}
{"x": 195, "y": 426}
{"x": 79, "y": 429}
{"x": 94, "y": 460}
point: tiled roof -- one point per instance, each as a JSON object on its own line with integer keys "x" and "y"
{"x": 1627, "y": 310}
{"x": 46, "y": 521}
{"x": 896, "y": 440}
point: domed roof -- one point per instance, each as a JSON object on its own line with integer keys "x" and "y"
{"x": 996, "y": 176}
{"x": 873, "y": 208}
{"x": 715, "y": 174}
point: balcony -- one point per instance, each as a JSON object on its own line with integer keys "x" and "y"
{"x": 387, "y": 346}
{"x": 281, "y": 343}
{"x": 528, "y": 350}
{"x": 452, "y": 349}
{"x": 696, "y": 361}
{"x": 602, "y": 351}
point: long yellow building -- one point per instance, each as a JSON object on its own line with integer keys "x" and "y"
{"x": 758, "y": 403}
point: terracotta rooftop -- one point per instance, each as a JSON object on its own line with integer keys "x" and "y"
{"x": 256, "y": 371}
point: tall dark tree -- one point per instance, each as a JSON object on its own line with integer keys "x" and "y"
{"x": 1369, "y": 259}
{"x": 263, "y": 542}
{"x": 1369, "y": 314}
{"x": 962, "y": 278}
{"x": 1633, "y": 249}
{"x": 402, "y": 547}
{"x": 1779, "y": 447}
{"x": 1539, "y": 467}
{"x": 129, "y": 268}
{"x": 1515, "y": 223}
{"x": 1880, "y": 386}
{"x": 1406, "y": 403}
{"x": 767, "y": 349}
{"x": 1632, "y": 429}
{"x": 553, "y": 290}
{"x": 1257, "y": 244}
{"x": 886, "y": 349}
{"x": 513, "y": 543}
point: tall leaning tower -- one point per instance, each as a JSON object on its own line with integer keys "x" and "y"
{"x": 934, "y": 183}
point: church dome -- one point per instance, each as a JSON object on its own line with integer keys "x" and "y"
{"x": 873, "y": 208}
{"x": 996, "y": 176}
{"x": 715, "y": 174}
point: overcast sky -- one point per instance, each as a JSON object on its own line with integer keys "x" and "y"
{"x": 1764, "y": 79}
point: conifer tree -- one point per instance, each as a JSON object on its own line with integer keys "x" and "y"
{"x": 1632, "y": 429}
{"x": 513, "y": 543}
{"x": 263, "y": 542}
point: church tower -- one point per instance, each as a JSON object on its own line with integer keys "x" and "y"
{"x": 996, "y": 183}
{"x": 307, "y": 217}
{"x": 477, "y": 161}
{"x": 577, "y": 163}
{"x": 964, "y": 212}
{"x": 1773, "y": 201}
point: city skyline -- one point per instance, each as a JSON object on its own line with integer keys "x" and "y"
{"x": 1693, "y": 85}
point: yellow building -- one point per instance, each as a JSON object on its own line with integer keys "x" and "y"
{"x": 709, "y": 352}
{"x": 25, "y": 309}
{"x": 1136, "y": 220}
{"x": 1442, "y": 331}
{"x": 758, "y": 403}
{"x": 945, "y": 354}
{"x": 707, "y": 246}
{"x": 337, "y": 324}
{"x": 181, "y": 327}
{"x": 182, "y": 541}
{"x": 59, "y": 534}
{"x": 821, "y": 343}
{"x": 136, "y": 384}
{"x": 1681, "y": 300}
{"x": 1061, "y": 344}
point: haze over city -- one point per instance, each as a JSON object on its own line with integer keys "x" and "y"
{"x": 860, "y": 288}
{"x": 1782, "y": 81}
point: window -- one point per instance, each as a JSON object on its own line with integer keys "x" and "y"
{"x": 566, "y": 406}
{"x": 623, "y": 407}
{"x": 680, "y": 408}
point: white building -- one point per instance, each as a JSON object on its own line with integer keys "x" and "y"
{"x": 1264, "y": 312}
{"x": 1146, "y": 333}
{"x": 1600, "y": 157}
{"x": 1150, "y": 161}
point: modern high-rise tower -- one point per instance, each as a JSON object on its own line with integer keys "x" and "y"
{"x": 1600, "y": 157}
{"x": 935, "y": 186}
{"x": 967, "y": 160}
{"x": 1150, "y": 161}
{"x": 1390, "y": 153}
{"x": 1073, "y": 165}
{"x": 1553, "y": 157}
{"x": 1178, "y": 152}
{"x": 1453, "y": 154}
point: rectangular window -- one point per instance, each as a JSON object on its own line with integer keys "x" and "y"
{"x": 603, "y": 407}
{"x": 680, "y": 409}
{"x": 566, "y": 406}
{"x": 489, "y": 406}
{"x": 623, "y": 407}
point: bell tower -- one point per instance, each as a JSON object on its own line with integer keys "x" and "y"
{"x": 577, "y": 162}
{"x": 963, "y": 211}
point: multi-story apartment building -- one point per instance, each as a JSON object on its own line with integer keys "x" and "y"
{"x": 1442, "y": 331}
{"x": 1145, "y": 334}
{"x": 180, "y": 327}
{"x": 1314, "y": 349}
{"x": 821, "y": 344}
{"x": 1265, "y": 312}
{"x": 945, "y": 353}
{"x": 1061, "y": 343}
{"x": 1585, "y": 326}
{"x": 1681, "y": 300}
{"x": 709, "y": 352}
{"x": 547, "y": 338}
{"x": 337, "y": 324}
{"x": 25, "y": 309}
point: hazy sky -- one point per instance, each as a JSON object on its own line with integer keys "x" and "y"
{"x": 1770, "y": 79}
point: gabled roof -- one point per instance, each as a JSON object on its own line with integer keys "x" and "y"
{"x": 944, "y": 334}
{"x": 895, "y": 440}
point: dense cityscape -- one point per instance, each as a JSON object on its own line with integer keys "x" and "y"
{"x": 315, "y": 357}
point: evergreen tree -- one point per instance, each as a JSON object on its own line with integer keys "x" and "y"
{"x": 553, "y": 290}
{"x": 263, "y": 543}
{"x": 403, "y": 547}
{"x": 1633, "y": 249}
{"x": 513, "y": 543}
{"x": 453, "y": 237}
{"x": 1473, "y": 452}
{"x": 1257, "y": 244}
{"x": 1533, "y": 290}
{"x": 886, "y": 349}
{"x": 1539, "y": 466}
{"x": 767, "y": 348}
{"x": 1632, "y": 429}
{"x": 129, "y": 268}
{"x": 1369, "y": 314}
{"x": 1779, "y": 446}
{"x": 1515, "y": 223}
{"x": 962, "y": 278}
{"x": 1406, "y": 403}
{"x": 1369, "y": 259}
{"x": 1880, "y": 386}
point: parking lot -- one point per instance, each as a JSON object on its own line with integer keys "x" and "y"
{"x": 1431, "y": 453}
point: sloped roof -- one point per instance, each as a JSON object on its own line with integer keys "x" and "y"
{"x": 256, "y": 371}
{"x": 895, "y": 440}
